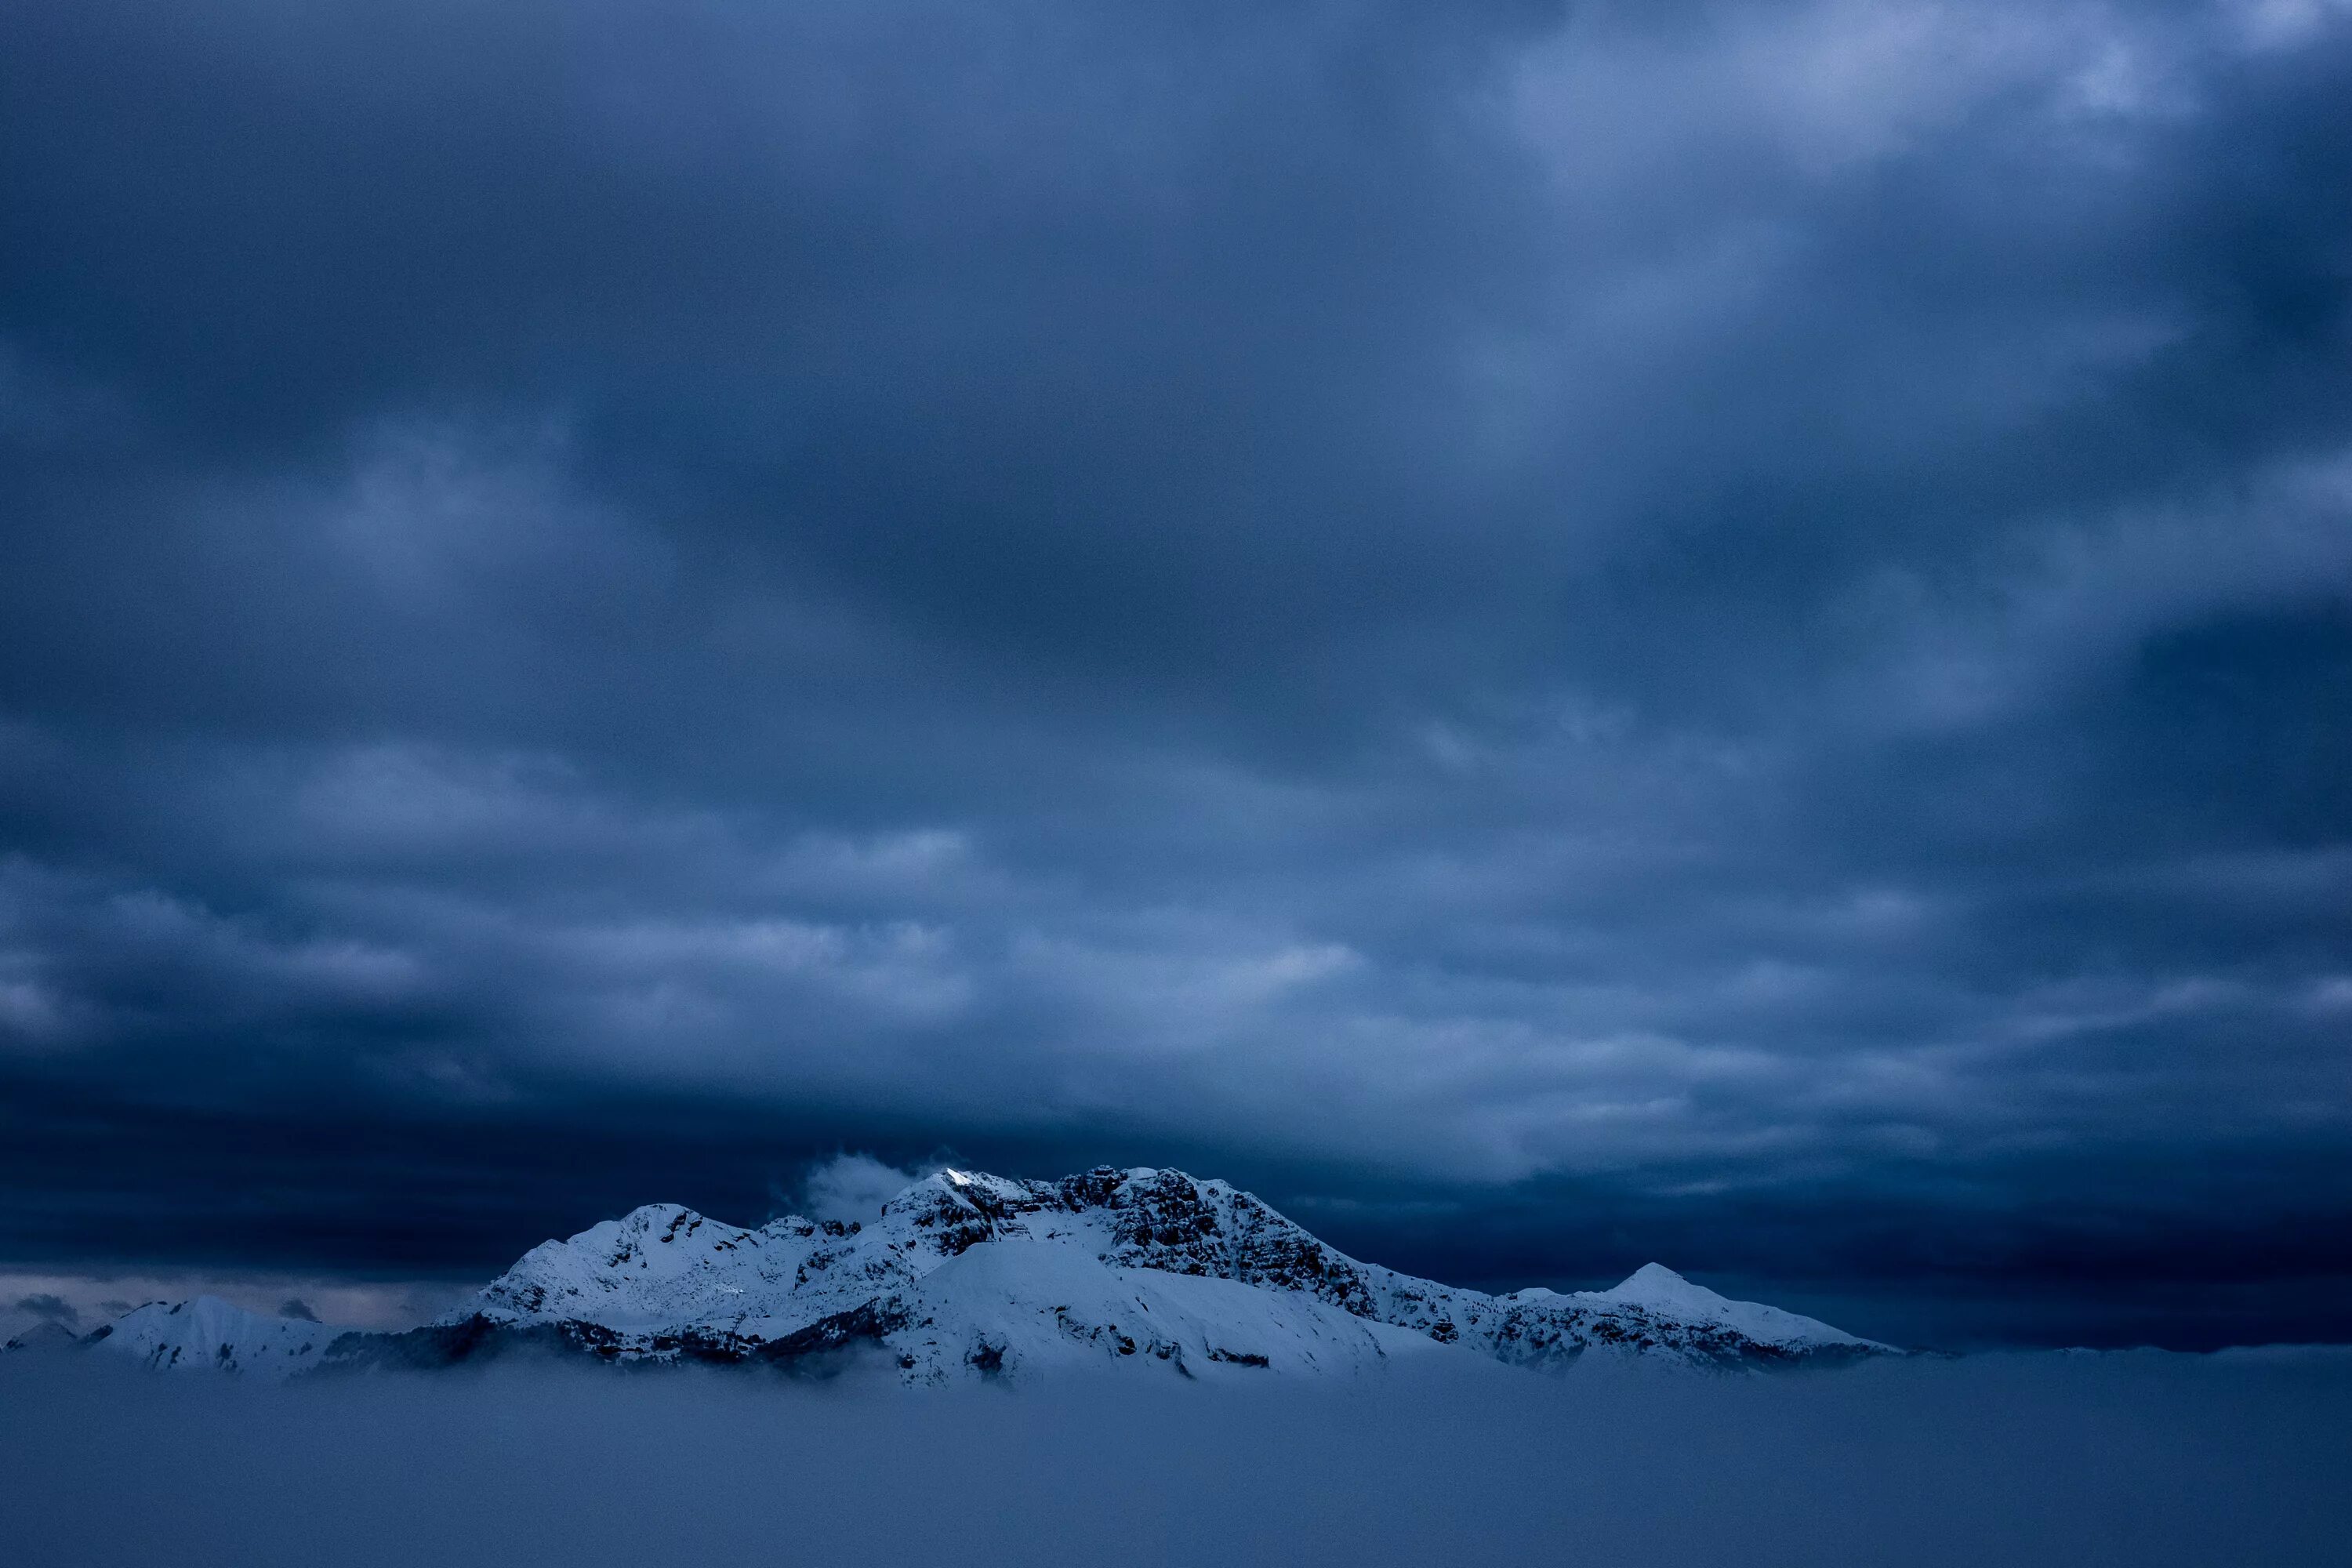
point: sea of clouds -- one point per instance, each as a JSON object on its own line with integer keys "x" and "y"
{"x": 2132, "y": 1459}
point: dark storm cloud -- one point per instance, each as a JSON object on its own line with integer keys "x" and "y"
{"x": 1556, "y": 635}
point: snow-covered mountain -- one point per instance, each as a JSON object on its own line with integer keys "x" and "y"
{"x": 969, "y": 1275}
{"x": 208, "y": 1332}
{"x": 965, "y": 1276}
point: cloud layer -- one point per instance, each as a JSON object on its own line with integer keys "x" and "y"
{"x": 2163, "y": 1461}
{"x": 1606, "y": 621}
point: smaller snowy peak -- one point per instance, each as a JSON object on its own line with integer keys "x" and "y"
{"x": 1655, "y": 1285}
{"x": 663, "y": 1239}
{"x": 1656, "y": 1288}
{"x": 665, "y": 1269}
{"x": 209, "y": 1334}
{"x": 51, "y": 1336}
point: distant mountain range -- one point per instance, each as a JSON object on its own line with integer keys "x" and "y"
{"x": 970, "y": 1277}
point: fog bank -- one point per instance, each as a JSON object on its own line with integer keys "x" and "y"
{"x": 2141, "y": 1458}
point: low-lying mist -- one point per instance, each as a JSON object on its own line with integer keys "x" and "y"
{"x": 2137, "y": 1458}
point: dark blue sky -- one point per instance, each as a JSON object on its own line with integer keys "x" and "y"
{"x": 1555, "y": 635}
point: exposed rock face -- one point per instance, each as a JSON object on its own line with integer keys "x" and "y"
{"x": 970, "y": 1275}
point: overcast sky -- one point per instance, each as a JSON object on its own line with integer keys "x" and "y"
{"x": 1553, "y": 635}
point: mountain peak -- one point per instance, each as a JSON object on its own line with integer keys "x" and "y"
{"x": 1657, "y": 1290}
{"x": 206, "y": 1331}
{"x": 43, "y": 1336}
{"x": 1656, "y": 1283}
